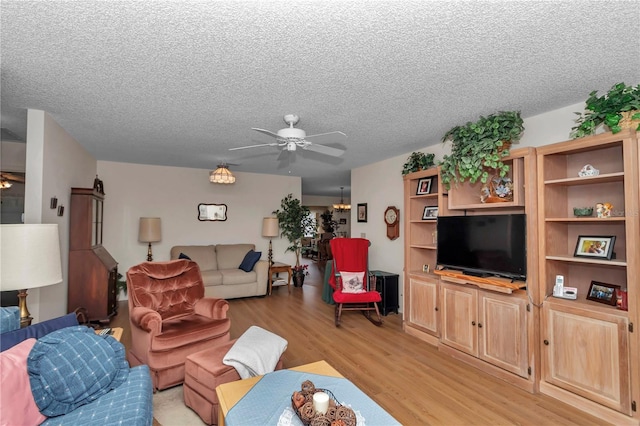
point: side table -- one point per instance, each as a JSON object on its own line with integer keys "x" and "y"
{"x": 276, "y": 268}
{"x": 387, "y": 285}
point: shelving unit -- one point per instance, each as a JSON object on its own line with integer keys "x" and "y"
{"x": 604, "y": 382}
{"x": 421, "y": 295}
{"x": 444, "y": 308}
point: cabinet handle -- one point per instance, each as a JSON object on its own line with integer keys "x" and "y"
{"x": 546, "y": 342}
{"x": 479, "y": 325}
{"x": 473, "y": 323}
{"x": 436, "y": 309}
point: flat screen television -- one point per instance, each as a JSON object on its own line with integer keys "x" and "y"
{"x": 484, "y": 245}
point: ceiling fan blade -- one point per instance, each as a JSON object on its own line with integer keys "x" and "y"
{"x": 326, "y": 150}
{"x": 324, "y": 134}
{"x": 254, "y": 146}
{"x": 12, "y": 177}
{"x": 266, "y": 132}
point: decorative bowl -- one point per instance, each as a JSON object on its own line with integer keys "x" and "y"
{"x": 582, "y": 211}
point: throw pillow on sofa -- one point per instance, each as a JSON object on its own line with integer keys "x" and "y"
{"x": 250, "y": 260}
{"x": 16, "y": 398}
{"x": 74, "y": 366}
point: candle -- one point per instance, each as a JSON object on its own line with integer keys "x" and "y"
{"x": 321, "y": 402}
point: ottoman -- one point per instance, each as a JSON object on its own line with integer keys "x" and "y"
{"x": 204, "y": 371}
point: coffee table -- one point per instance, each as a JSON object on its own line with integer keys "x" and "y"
{"x": 230, "y": 393}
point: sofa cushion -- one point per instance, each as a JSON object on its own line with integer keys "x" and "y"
{"x": 231, "y": 255}
{"x": 9, "y": 319}
{"x": 36, "y": 331}
{"x": 130, "y": 404}
{"x": 16, "y": 398}
{"x": 237, "y": 276}
{"x": 204, "y": 256}
{"x": 250, "y": 260}
{"x": 74, "y": 366}
{"x": 212, "y": 277}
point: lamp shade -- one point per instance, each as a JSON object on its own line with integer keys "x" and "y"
{"x": 222, "y": 175}
{"x": 149, "y": 231}
{"x": 30, "y": 256}
{"x": 270, "y": 227}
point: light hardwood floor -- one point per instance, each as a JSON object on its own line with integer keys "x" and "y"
{"x": 414, "y": 382}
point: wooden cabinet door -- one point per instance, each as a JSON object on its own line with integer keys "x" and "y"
{"x": 587, "y": 353}
{"x": 459, "y": 318}
{"x": 503, "y": 332}
{"x": 423, "y": 305}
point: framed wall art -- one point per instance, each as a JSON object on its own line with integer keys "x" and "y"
{"x": 362, "y": 212}
{"x": 212, "y": 212}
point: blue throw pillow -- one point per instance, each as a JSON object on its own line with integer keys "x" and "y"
{"x": 74, "y": 366}
{"x": 184, "y": 256}
{"x": 250, "y": 260}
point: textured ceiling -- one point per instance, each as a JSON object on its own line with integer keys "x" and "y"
{"x": 179, "y": 83}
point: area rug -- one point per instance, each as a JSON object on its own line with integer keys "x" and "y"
{"x": 169, "y": 409}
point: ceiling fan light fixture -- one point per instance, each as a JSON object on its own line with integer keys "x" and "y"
{"x": 222, "y": 175}
{"x": 5, "y": 184}
{"x": 342, "y": 206}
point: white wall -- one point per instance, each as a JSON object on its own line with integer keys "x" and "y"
{"x": 173, "y": 194}
{"x": 380, "y": 190}
{"x": 55, "y": 162}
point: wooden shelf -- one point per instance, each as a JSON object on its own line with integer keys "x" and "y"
{"x": 499, "y": 284}
{"x": 589, "y": 180}
{"x": 613, "y": 262}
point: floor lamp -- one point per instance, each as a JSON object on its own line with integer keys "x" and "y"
{"x": 29, "y": 258}
{"x": 149, "y": 232}
{"x": 270, "y": 229}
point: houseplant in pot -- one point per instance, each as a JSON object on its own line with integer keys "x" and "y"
{"x": 477, "y": 149}
{"x": 618, "y": 108}
{"x": 418, "y": 161}
{"x": 295, "y": 222}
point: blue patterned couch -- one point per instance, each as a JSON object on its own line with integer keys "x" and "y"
{"x": 127, "y": 402}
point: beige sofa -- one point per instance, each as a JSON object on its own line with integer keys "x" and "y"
{"x": 222, "y": 277}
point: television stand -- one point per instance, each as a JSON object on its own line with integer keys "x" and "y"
{"x": 499, "y": 284}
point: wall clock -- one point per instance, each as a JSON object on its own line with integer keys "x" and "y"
{"x": 392, "y": 219}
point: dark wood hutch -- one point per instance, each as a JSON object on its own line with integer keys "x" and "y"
{"x": 93, "y": 272}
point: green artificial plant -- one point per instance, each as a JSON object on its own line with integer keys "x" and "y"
{"x": 295, "y": 222}
{"x": 478, "y": 148}
{"x": 418, "y": 161}
{"x": 608, "y": 109}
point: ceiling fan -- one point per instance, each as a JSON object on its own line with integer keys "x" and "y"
{"x": 291, "y": 138}
{"x": 7, "y": 179}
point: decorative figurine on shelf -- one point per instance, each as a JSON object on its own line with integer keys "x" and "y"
{"x": 603, "y": 210}
{"x": 98, "y": 185}
{"x": 588, "y": 170}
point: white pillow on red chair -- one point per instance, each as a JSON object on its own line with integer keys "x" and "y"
{"x": 352, "y": 282}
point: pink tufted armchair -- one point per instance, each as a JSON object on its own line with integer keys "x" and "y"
{"x": 171, "y": 319}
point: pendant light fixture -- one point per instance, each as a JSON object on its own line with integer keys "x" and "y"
{"x": 342, "y": 206}
{"x": 222, "y": 175}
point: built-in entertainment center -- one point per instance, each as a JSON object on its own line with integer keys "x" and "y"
{"x": 479, "y": 277}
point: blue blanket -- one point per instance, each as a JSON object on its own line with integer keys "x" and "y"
{"x": 271, "y": 396}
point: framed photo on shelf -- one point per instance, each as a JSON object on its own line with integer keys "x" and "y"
{"x": 424, "y": 186}
{"x": 430, "y": 213}
{"x": 362, "y": 212}
{"x": 603, "y": 293}
{"x": 593, "y": 246}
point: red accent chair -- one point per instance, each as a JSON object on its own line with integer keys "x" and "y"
{"x": 171, "y": 319}
{"x": 351, "y": 255}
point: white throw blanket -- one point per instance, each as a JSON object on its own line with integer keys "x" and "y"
{"x": 256, "y": 352}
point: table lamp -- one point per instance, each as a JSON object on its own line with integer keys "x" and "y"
{"x": 149, "y": 232}
{"x": 270, "y": 229}
{"x": 29, "y": 258}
